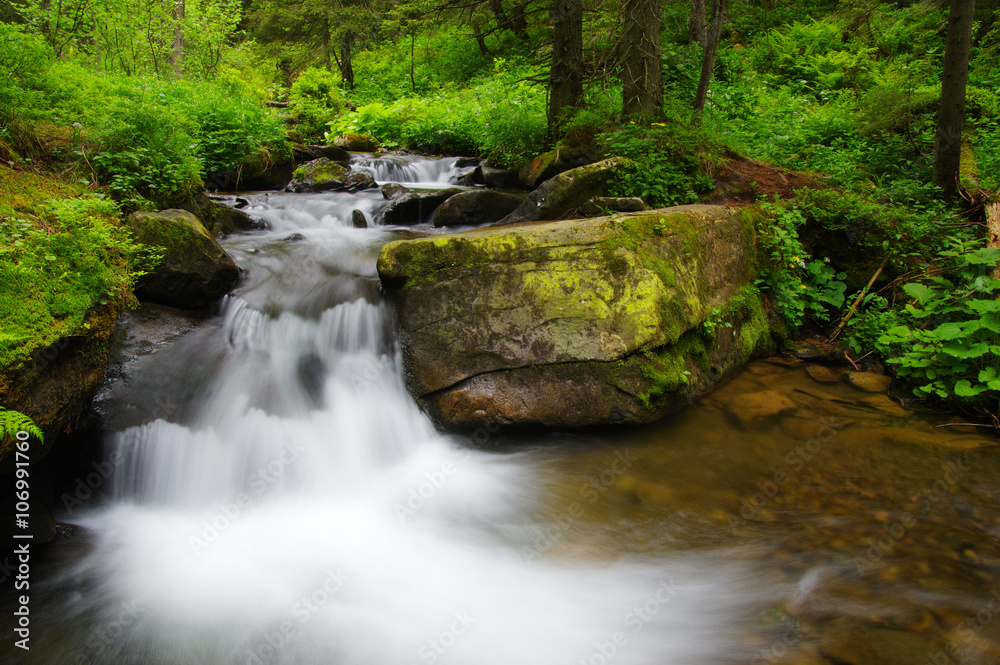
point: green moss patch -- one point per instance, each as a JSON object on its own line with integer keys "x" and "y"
{"x": 63, "y": 252}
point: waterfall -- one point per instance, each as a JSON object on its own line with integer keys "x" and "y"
{"x": 306, "y": 511}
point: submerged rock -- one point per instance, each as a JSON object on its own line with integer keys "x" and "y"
{"x": 873, "y": 383}
{"x": 576, "y": 323}
{"x": 323, "y": 175}
{"x": 476, "y": 207}
{"x": 568, "y": 192}
{"x": 195, "y": 270}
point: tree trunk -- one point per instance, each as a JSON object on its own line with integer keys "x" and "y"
{"x": 345, "y": 62}
{"x": 708, "y": 61}
{"x": 566, "y": 71}
{"x": 642, "y": 73}
{"x": 177, "y": 47}
{"x": 951, "y": 116}
{"x": 503, "y": 21}
{"x": 519, "y": 24}
{"x": 413, "y": 61}
{"x": 699, "y": 23}
{"x": 481, "y": 40}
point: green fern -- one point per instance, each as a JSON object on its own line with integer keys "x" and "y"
{"x": 12, "y": 422}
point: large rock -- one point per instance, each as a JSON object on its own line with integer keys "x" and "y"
{"x": 220, "y": 219}
{"x": 195, "y": 270}
{"x": 356, "y": 142}
{"x": 476, "y": 207}
{"x": 411, "y": 207}
{"x": 569, "y": 191}
{"x": 54, "y": 384}
{"x": 574, "y": 323}
{"x": 323, "y": 175}
{"x": 552, "y": 163}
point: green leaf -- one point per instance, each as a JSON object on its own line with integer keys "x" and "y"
{"x": 923, "y": 294}
{"x": 958, "y": 349}
{"x": 956, "y": 329}
{"x": 12, "y": 422}
{"x": 983, "y": 306}
{"x": 963, "y": 388}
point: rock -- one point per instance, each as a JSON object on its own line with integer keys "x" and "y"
{"x": 852, "y": 644}
{"x": 467, "y": 162}
{"x": 220, "y": 219}
{"x": 753, "y": 410}
{"x": 322, "y": 175}
{"x": 551, "y": 164}
{"x": 470, "y": 178}
{"x": 499, "y": 178}
{"x": 824, "y": 374}
{"x": 476, "y": 207}
{"x": 265, "y": 170}
{"x": 416, "y": 206}
{"x": 306, "y": 153}
{"x": 240, "y": 203}
{"x": 601, "y": 205}
{"x": 566, "y": 192}
{"x": 356, "y": 142}
{"x": 293, "y": 237}
{"x": 195, "y": 270}
{"x": 393, "y": 190}
{"x": 575, "y": 323}
{"x": 358, "y": 219}
{"x": 873, "y": 383}
{"x": 54, "y": 385}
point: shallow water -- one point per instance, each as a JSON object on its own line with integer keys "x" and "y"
{"x": 279, "y": 498}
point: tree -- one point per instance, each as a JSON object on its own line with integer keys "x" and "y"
{"x": 698, "y": 34}
{"x": 951, "y": 115}
{"x": 566, "y": 70}
{"x": 708, "y": 60}
{"x": 642, "y": 73}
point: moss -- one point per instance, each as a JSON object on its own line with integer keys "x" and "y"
{"x": 67, "y": 252}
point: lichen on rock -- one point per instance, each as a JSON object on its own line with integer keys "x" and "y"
{"x": 573, "y": 323}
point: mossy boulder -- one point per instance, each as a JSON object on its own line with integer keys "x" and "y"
{"x": 220, "y": 220}
{"x": 476, "y": 207}
{"x": 323, "y": 175}
{"x": 356, "y": 142}
{"x": 552, "y": 163}
{"x": 573, "y": 323}
{"x": 195, "y": 270}
{"x": 411, "y": 207}
{"x": 568, "y": 192}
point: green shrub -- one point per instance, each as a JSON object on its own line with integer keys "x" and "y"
{"x": 948, "y": 342}
{"x": 315, "y": 101}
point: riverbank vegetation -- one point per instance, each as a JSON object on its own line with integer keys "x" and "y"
{"x": 886, "y": 254}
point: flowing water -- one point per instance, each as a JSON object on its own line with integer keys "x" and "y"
{"x": 278, "y": 497}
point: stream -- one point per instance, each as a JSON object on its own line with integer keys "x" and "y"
{"x": 276, "y": 496}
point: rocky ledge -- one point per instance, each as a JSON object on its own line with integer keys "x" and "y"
{"x": 619, "y": 319}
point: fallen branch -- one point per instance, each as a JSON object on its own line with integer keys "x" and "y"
{"x": 857, "y": 301}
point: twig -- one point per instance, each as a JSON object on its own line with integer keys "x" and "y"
{"x": 851, "y": 361}
{"x": 967, "y": 425}
{"x": 857, "y": 301}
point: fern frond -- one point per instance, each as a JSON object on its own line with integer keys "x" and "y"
{"x": 12, "y": 422}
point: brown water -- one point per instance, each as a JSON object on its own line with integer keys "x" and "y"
{"x": 878, "y": 530}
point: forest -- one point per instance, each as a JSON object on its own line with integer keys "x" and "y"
{"x": 890, "y": 248}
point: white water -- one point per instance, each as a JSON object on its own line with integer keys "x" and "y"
{"x": 308, "y": 512}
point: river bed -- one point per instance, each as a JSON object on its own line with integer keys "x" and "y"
{"x": 278, "y": 497}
